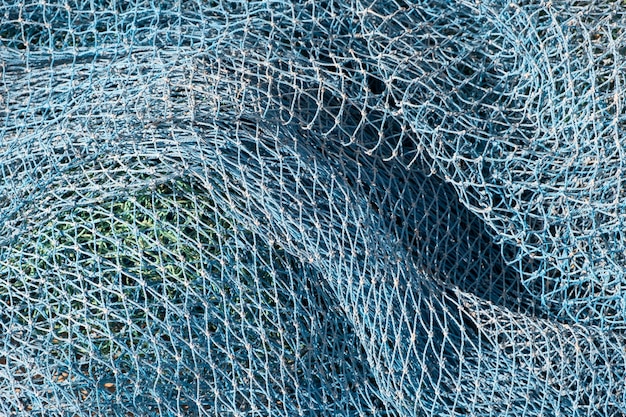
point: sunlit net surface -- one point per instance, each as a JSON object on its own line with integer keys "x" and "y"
{"x": 312, "y": 208}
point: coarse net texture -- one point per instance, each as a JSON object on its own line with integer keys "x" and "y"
{"x": 312, "y": 208}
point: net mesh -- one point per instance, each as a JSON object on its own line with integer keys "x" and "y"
{"x": 341, "y": 208}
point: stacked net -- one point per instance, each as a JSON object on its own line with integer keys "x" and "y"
{"x": 312, "y": 208}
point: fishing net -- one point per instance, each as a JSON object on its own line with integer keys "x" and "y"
{"x": 312, "y": 208}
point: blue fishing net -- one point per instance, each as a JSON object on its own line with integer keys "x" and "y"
{"x": 312, "y": 208}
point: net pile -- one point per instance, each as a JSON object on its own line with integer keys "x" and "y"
{"x": 340, "y": 208}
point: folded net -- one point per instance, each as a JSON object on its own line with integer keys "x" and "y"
{"x": 312, "y": 208}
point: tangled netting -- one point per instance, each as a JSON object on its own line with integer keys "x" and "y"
{"x": 312, "y": 208}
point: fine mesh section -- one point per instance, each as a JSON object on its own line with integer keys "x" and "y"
{"x": 312, "y": 208}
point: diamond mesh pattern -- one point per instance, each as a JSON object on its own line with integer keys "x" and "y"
{"x": 340, "y": 208}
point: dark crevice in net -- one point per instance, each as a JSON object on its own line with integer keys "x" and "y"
{"x": 466, "y": 258}
{"x": 342, "y": 208}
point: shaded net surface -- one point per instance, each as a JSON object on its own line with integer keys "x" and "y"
{"x": 341, "y": 208}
